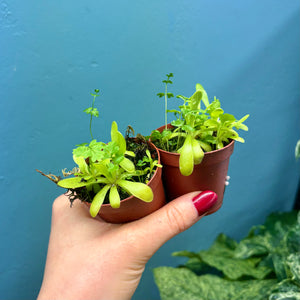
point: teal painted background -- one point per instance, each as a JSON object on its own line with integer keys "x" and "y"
{"x": 54, "y": 53}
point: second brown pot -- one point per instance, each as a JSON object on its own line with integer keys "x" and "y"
{"x": 210, "y": 174}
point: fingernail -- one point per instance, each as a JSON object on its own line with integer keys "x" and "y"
{"x": 205, "y": 201}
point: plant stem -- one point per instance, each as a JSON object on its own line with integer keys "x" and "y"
{"x": 166, "y": 106}
{"x": 92, "y": 117}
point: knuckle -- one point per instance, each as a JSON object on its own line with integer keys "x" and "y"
{"x": 59, "y": 204}
{"x": 176, "y": 220}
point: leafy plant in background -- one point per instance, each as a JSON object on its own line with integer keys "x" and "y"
{"x": 297, "y": 150}
{"x": 107, "y": 172}
{"x": 264, "y": 265}
{"x": 196, "y": 129}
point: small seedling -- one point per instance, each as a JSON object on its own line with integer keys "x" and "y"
{"x": 166, "y": 95}
{"x": 92, "y": 111}
{"x": 148, "y": 160}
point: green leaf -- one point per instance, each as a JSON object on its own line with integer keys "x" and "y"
{"x": 82, "y": 151}
{"x": 137, "y": 189}
{"x": 186, "y": 159}
{"x": 239, "y": 125}
{"x": 227, "y": 118}
{"x": 292, "y": 239}
{"x": 95, "y": 112}
{"x": 293, "y": 261}
{"x": 188, "y": 128}
{"x": 297, "y": 150}
{"x": 198, "y": 153}
{"x": 130, "y": 153}
{"x": 199, "y": 87}
{"x": 166, "y": 133}
{"x": 73, "y": 183}
{"x": 185, "y": 253}
{"x": 177, "y": 123}
{"x": 88, "y": 110}
{"x": 254, "y": 246}
{"x": 213, "y": 106}
{"x": 214, "y": 124}
{"x": 167, "y": 81}
{"x": 234, "y": 268}
{"x": 182, "y": 98}
{"x": 195, "y": 100}
{"x": 127, "y": 165}
{"x": 80, "y": 161}
{"x": 100, "y": 168}
{"x": 238, "y": 139}
{"x": 160, "y": 95}
{"x": 114, "y": 197}
{"x": 215, "y": 114}
{"x": 98, "y": 200}
{"x": 173, "y": 111}
{"x": 286, "y": 290}
{"x": 222, "y": 256}
{"x": 156, "y": 137}
{"x": 118, "y": 138}
{"x": 205, "y": 146}
{"x": 170, "y": 95}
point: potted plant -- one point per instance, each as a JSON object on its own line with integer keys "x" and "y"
{"x": 119, "y": 180}
{"x": 195, "y": 147}
{"x": 263, "y": 265}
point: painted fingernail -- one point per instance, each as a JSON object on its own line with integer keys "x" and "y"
{"x": 205, "y": 201}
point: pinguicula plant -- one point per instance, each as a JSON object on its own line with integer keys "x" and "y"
{"x": 200, "y": 126}
{"x": 106, "y": 172}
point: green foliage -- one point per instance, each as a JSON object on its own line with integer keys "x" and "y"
{"x": 105, "y": 170}
{"x": 199, "y": 127}
{"x": 148, "y": 160}
{"x": 297, "y": 150}
{"x": 264, "y": 265}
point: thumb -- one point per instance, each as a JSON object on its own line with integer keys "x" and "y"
{"x": 153, "y": 231}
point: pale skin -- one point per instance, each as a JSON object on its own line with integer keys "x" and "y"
{"x": 91, "y": 259}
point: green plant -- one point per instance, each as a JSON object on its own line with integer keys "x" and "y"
{"x": 197, "y": 129}
{"x": 264, "y": 265}
{"x": 148, "y": 160}
{"x": 166, "y": 95}
{"x": 297, "y": 150}
{"x": 92, "y": 111}
{"x": 107, "y": 172}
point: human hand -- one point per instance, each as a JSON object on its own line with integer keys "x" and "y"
{"x": 91, "y": 259}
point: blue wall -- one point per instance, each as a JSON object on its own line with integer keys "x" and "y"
{"x": 53, "y": 54}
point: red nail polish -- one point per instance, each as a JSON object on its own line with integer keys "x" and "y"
{"x": 205, "y": 201}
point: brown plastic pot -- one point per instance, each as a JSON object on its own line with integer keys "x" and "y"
{"x": 133, "y": 208}
{"x": 210, "y": 174}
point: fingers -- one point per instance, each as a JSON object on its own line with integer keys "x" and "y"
{"x": 180, "y": 214}
{"x": 62, "y": 204}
